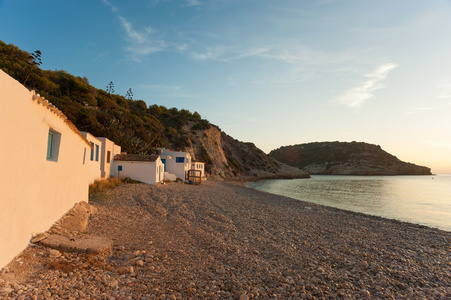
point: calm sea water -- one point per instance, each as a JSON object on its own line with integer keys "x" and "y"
{"x": 424, "y": 200}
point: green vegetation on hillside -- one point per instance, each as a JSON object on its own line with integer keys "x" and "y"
{"x": 137, "y": 127}
{"x": 129, "y": 123}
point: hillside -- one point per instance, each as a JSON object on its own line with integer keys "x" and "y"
{"x": 341, "y": 158}
{"x": 137, "y": 127}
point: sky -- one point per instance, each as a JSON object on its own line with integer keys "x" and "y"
{"x": 274, "y": 73}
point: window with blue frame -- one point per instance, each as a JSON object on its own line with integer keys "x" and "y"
{"x": 53, "y": 144}
{"x": 163, "y": 160}
{"x": 179, "y": 159}
{"x": 92, "y": 151}
{"x": 97, "y": 152}
{"x": 50, "y": 145}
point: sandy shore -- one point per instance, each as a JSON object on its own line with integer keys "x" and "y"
{"x": 226, "y": 241}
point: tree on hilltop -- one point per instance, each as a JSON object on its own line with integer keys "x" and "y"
{"x": 34, "y": 60}
{"x": 110, "y": 88}
{"x": 129, "y": 94}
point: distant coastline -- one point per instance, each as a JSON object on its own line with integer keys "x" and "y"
{"x": 342, "y": 158}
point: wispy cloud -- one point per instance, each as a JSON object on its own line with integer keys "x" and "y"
{"x": 133, "y": 35}
{"x": 113, "y": 8}
{"x": 211, "y": 53}
{"x": 192, "y": 3}
{"x": 298, "y": 55}
{"x": 444, "y": 87}
{"x": 227, "y": 53}
{"x": 170, "y": 91}
{"x": 140, "y": 42}
{"x": 420, "y": 109}
{"x": 290, "y": 55}
{"x": 356, "y": 96}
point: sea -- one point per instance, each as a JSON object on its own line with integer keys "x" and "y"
{"x": 424, "y": 200}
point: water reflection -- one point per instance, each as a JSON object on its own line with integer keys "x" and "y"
{"x": 418, "y": 199}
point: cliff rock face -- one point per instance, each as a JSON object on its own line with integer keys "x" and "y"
{"x": 340, "y": 158}
{"x": 226, "y": 157}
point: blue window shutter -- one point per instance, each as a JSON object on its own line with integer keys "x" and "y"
{"x": 50, "y": 146}
{"x": 163, "y": 160}
{"x": 97, "y": 152}
{"x": 179, "y": 159}
{"x": 92, "y": 151}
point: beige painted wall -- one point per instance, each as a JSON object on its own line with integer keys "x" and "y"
{"x": 92, "y": 157}
{"x": 35, "y": 192}
{"x": 105, "y": 166}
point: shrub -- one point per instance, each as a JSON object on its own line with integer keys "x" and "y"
{"x": 101, "y": 185}
{"x": 201, "y": 125}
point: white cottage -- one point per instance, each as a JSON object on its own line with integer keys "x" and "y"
{"x": 145, "y": 168}
{"x": 175, "y": 162}
{"x": 43, "y": 159}
{"x": 199, "y": 166}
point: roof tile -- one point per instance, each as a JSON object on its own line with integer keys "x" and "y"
{"x": 136, "y": 157}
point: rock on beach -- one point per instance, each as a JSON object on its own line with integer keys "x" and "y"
{"x": 223, "y": 240}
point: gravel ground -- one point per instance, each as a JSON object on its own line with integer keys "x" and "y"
{"x": 225, "y": 241}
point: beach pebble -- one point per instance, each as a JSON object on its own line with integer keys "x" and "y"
{"x": 139, "y": 263}
{"x": 221, "y": 240}
{"x": 53, "y": 253}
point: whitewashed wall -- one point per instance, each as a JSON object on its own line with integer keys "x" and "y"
{"x": 105, "y": 165}
{"x": 93, "y": 157}
{"x": 172, "y": 166}
{"x": 145, "y": 171}
{"x": 35, "y": 192}
{"x": 199, "y": 166}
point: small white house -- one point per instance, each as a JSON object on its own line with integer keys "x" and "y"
{"x": 93, "y": 157}
{"x": 199, "y": 166}
{"x": 43, "y": 161}
{"x": 175, "y": 162}
{"x": 108, "y": 150}
{"x": 145, "y": 168}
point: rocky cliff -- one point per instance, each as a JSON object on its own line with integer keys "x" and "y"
{"x": 226, "y": 157}
{"x": 341, "y": 158}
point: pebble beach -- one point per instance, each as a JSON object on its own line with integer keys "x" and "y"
{"x": 223, "y": 240}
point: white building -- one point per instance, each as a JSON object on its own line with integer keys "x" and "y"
{"x": 93, "y": 157}
{"x": 175, "y": 162}
{"x": 43, "y": 159}
{"x": 199, "y": 166}
{"x": 145, "y": 168}
{"x": 107, "y": 152}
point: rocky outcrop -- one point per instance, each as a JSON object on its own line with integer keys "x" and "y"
{"x": 228, "y": 158}
{"x": 341, "y": 158}
{"x": 67, "y": 233}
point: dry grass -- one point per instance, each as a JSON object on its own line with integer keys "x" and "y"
{"x": 101, "y": 185}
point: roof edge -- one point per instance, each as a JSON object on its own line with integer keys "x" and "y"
{"x": 44, "y": 102}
